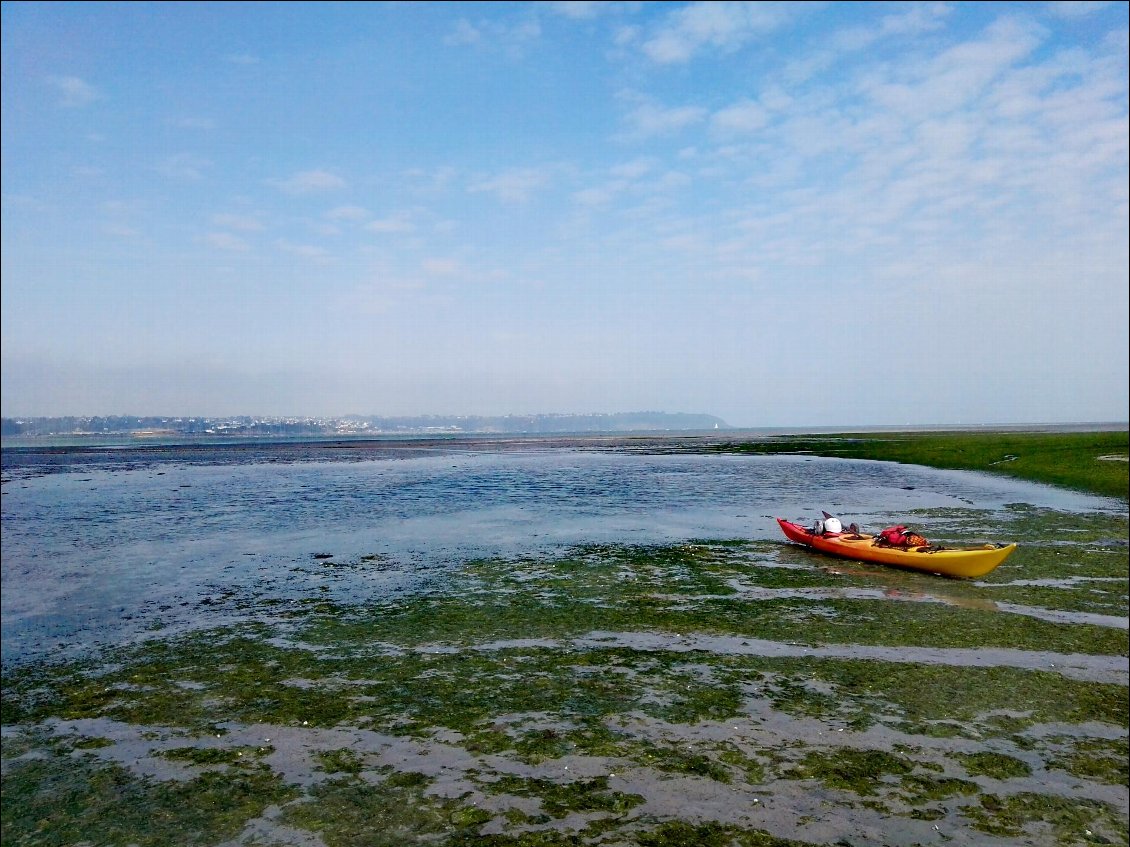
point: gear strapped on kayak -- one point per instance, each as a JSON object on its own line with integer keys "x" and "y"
{"x": 892, "y": 536}
{"x": 900, "y": 536}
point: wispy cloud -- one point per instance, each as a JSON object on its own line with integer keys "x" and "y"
{"x": 399, "y": 222}
{"x": 73, "y": 91}
{"x": 463, "y": 33}
{"x": 713, "y": 24}
{"x": 193, "y": 123}
{"x": 512, "y": 39}
{"x": 437, "y": 179}
{"x": 184, "y": 166}
{"x": 651, "y": 119}
{"x": 310, "y": 182}
{"x": 744, "y": 117}
{"x": 312, "y": 252}
{"x": 347, "y": 213}
{"x": 120, "y": 230}
{"x": 1072, "y": 9}
{"x": 621, "y": 178}
{"x": 440, "y": 267}
{"x": 633, "y": 169}
{"x": 974, "y": 145}
{"x": 579, "y": 9}
{"x": 911, "y": 20}
{"x": 241, "y": 223}
{"x": 515, "y": 185}
{"x": 226, "y": 241}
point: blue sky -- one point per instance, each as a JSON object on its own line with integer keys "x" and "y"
{"x": 825, "y": 214}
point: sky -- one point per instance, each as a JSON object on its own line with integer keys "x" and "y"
{"x": 782, "y": 214}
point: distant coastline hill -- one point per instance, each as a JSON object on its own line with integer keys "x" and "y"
{"x": 355, "y": 425}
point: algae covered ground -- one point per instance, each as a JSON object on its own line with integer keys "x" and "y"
{"x": 717, "y": 692}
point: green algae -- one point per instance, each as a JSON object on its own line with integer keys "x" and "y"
{"x": 709, "y": 761}
{"x": 351, "y": 812}
{"x": 60, "y": 800}
{"x": 340, "y": 761}
{"x": 917, "y": 789}
{"x": 995, "y": 765}
{"x": 446, "y": 663}
{"x": 558, "y": 799}
{"x": 1070, "y": 820}
{"x": 480, "y": 617}
{"x": 215, "y": 755}
{"x": 682, "y": 834}
{"x": 860, "y": 771}
{"x": 1102, "y": 759}
{"x": 412, "y": 693}
{"x": 93, "y": 743}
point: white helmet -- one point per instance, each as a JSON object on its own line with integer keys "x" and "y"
{"x": 833, "y": 525}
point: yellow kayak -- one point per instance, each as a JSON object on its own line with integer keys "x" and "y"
{"x": 964, "y": 563}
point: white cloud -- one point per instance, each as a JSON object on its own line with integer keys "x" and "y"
{"x": 1072, "y": 9}
{"x": 625, "y": 36}
{"x": 743, "y": 117}
{"x": 978, "y": 145}
{"x": 463, "y": 34}
{"x": 184, "y": 166}
{"x": 242, "y": 223}
{"x": 73, "y": 91}
{"x": 723, "y": 25}
{"x": 512, "y": 39}
{"x": 578, "y": 9}
{"x": 437, "y": 179}
{"x": 310, "y": 182}
{"x": 649, "y": 119}
{"x": 120, "y": 230}
{"x": 955, "y": 78}
{"x": 226, "y": 241}
{"x": 306, "y": 251}
{"x": 440, "y": 267}
{"x": 915, "y": 20}
{"x": 193, "y": 123}
{"x": 633, "y": 169}
{"x": 347, "y": 213}
{"x": 516, "y": 185}
{"x": 598, "y": 196}
{"x": 624, "y": 177}
{"x": 400, "y": 222}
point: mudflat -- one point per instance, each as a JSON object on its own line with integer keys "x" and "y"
{"x": 734, "y": 690}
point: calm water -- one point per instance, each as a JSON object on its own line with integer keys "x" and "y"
{"x": 101, "y": 545}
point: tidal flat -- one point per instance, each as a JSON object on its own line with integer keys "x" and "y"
{"x": 729, "y": 691}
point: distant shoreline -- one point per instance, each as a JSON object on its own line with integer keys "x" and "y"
{"x": 154, "y": 438}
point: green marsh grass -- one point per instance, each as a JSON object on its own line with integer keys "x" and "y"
{"x": 1084, "y": 461}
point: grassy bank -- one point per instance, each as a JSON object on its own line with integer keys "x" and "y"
{"x": 1084, "y": 461}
